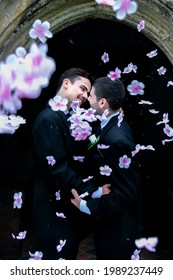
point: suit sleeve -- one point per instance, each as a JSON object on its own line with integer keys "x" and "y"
{"x": 49, "y": 140}
{"x": 125, "y": 183}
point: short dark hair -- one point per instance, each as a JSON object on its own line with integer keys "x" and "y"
{"x": 73, "y": 74}
{"x": 112, "y": 91}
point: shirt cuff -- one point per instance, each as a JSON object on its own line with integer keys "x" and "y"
{"x": 97, "y": 193}
{"x": 83, "y": 207}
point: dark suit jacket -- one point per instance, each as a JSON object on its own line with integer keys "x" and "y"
{"x": 125, "y": 183}
{"x": 117, "y": 214}
{"x": 51, "y": 137}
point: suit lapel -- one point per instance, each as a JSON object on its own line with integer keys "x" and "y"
{"x": 68, "y": 138}
{"x": 64, "y": 119}
{"x": 113, "y": 121}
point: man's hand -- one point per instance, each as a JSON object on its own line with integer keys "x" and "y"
{"x": 76, "y": 200}
{"x": 106, "y": 189}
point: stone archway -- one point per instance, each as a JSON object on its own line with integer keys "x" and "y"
{"x": 16, "y": 18}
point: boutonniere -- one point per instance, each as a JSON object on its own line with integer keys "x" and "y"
{"x": 94, "y": 140}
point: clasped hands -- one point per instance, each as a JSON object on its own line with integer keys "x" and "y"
{"x": 77, "y": 199}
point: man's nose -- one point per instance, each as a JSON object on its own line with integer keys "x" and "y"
{"x": 85, "y": 95}
{"x": 88, "y": 98}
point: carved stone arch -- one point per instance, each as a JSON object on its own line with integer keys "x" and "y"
{"x": 17, "y": 17}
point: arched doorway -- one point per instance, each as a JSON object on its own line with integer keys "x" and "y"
{"x": 82, "y": 45}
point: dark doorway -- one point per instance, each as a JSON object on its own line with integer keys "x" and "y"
{"x": 82, "y": 45}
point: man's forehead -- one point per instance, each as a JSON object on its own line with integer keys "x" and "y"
{"x": 85, "y": 83}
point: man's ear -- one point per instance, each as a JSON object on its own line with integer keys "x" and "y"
{"x": 103, "y": 103}
{"x": 66, "y": 82}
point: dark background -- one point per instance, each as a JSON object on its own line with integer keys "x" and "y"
{"x": 82, "y": 45}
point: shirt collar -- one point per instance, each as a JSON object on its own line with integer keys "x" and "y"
{"x": 104, "y": 122}
{"x": 66, "y": 111}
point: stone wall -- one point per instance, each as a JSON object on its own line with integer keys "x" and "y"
{"x": 17, "y": 17}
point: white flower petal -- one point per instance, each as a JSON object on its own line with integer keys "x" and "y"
{"x": 42, "y": 38}
{"x": 33, "y": 34}
{"x": 120, "y": 14}
{"x": 132, "y": 8}
{"x": 116, "y": 5}
{"x": 37, "y": 23}
{"x": 48, "y": 34}
{"x": 46, "y": 24}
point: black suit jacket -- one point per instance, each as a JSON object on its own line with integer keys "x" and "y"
{"x": 51, "y": 137}
{"x": 125, "y": 183}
